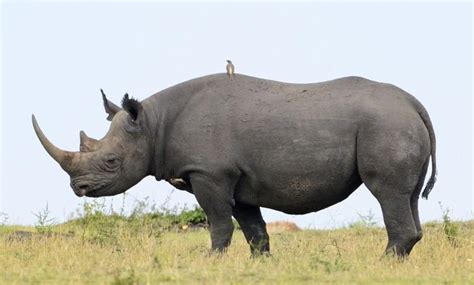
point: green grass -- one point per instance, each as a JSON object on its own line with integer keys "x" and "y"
{"x": 117, "y": 250}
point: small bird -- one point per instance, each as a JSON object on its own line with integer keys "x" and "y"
{"x": 230, "y": 69}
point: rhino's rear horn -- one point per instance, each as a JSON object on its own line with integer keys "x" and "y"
{"x": 64, "y": 158}
{"x": 88, "y": 144}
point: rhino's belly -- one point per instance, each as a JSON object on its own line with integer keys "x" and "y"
{"x": 298, "y": 195}
{"x": 300, "y": 183}
{"x": 305, "y": 195}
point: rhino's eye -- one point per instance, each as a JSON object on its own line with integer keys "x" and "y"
{"x": 112, "y": 162}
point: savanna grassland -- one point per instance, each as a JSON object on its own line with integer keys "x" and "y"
{"x": 165, "y": 247}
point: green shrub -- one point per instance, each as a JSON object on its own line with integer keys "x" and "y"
{"x": 44, "y": 223}
{"x": 101, "y": 225}
{"x": 194, "y": 216}
{"x": 364, "y": 222}
{"x": 450, "y": 229}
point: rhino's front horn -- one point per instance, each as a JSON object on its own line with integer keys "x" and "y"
{"x": 64, "y": 158}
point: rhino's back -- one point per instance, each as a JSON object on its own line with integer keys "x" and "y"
{"x": 245, "y": 95}
{"x": 252, "y": 104}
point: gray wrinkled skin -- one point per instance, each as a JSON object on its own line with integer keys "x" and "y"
{"x": 247, "y": 143}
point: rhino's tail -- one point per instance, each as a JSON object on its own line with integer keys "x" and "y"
{"x": 429, "y": 126}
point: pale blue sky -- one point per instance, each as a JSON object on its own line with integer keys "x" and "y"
{"x": 56, "y": 57}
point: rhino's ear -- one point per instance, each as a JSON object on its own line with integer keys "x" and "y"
{"x": 133, "y": 107}
{"x": 110, "y": 108}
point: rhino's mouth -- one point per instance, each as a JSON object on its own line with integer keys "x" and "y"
{"x": 85, "y": 187}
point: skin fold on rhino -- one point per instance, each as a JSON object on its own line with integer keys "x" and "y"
{"x": 247, "y": 143}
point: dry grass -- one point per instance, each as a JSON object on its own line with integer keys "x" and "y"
{"x": 342, "y": 256}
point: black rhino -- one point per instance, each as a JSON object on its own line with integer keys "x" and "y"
{"x": 247, "y": 143}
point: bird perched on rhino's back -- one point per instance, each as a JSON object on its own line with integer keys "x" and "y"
{"x": 230, "y": 69}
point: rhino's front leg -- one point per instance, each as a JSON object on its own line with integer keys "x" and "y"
{"x": 216, "y": 200}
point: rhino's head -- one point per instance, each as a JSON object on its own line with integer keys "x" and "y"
{"x": 116, "y": 162}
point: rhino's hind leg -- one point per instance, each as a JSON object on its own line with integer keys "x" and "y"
{"x": 414, "y": 201}
{"x": 416, "y": 216}
{"x": 400, "y": 225}
{"x": 392, "y": 164}
{"x": 398, "y": 199}
{"x": 254, "y": 228}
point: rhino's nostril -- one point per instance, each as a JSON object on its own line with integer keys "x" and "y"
{"x": 83, "y": 187}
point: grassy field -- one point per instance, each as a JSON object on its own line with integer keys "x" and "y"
{"x": 148, "y": 249}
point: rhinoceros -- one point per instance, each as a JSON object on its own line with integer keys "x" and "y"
{"x": 247, "y": 143}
